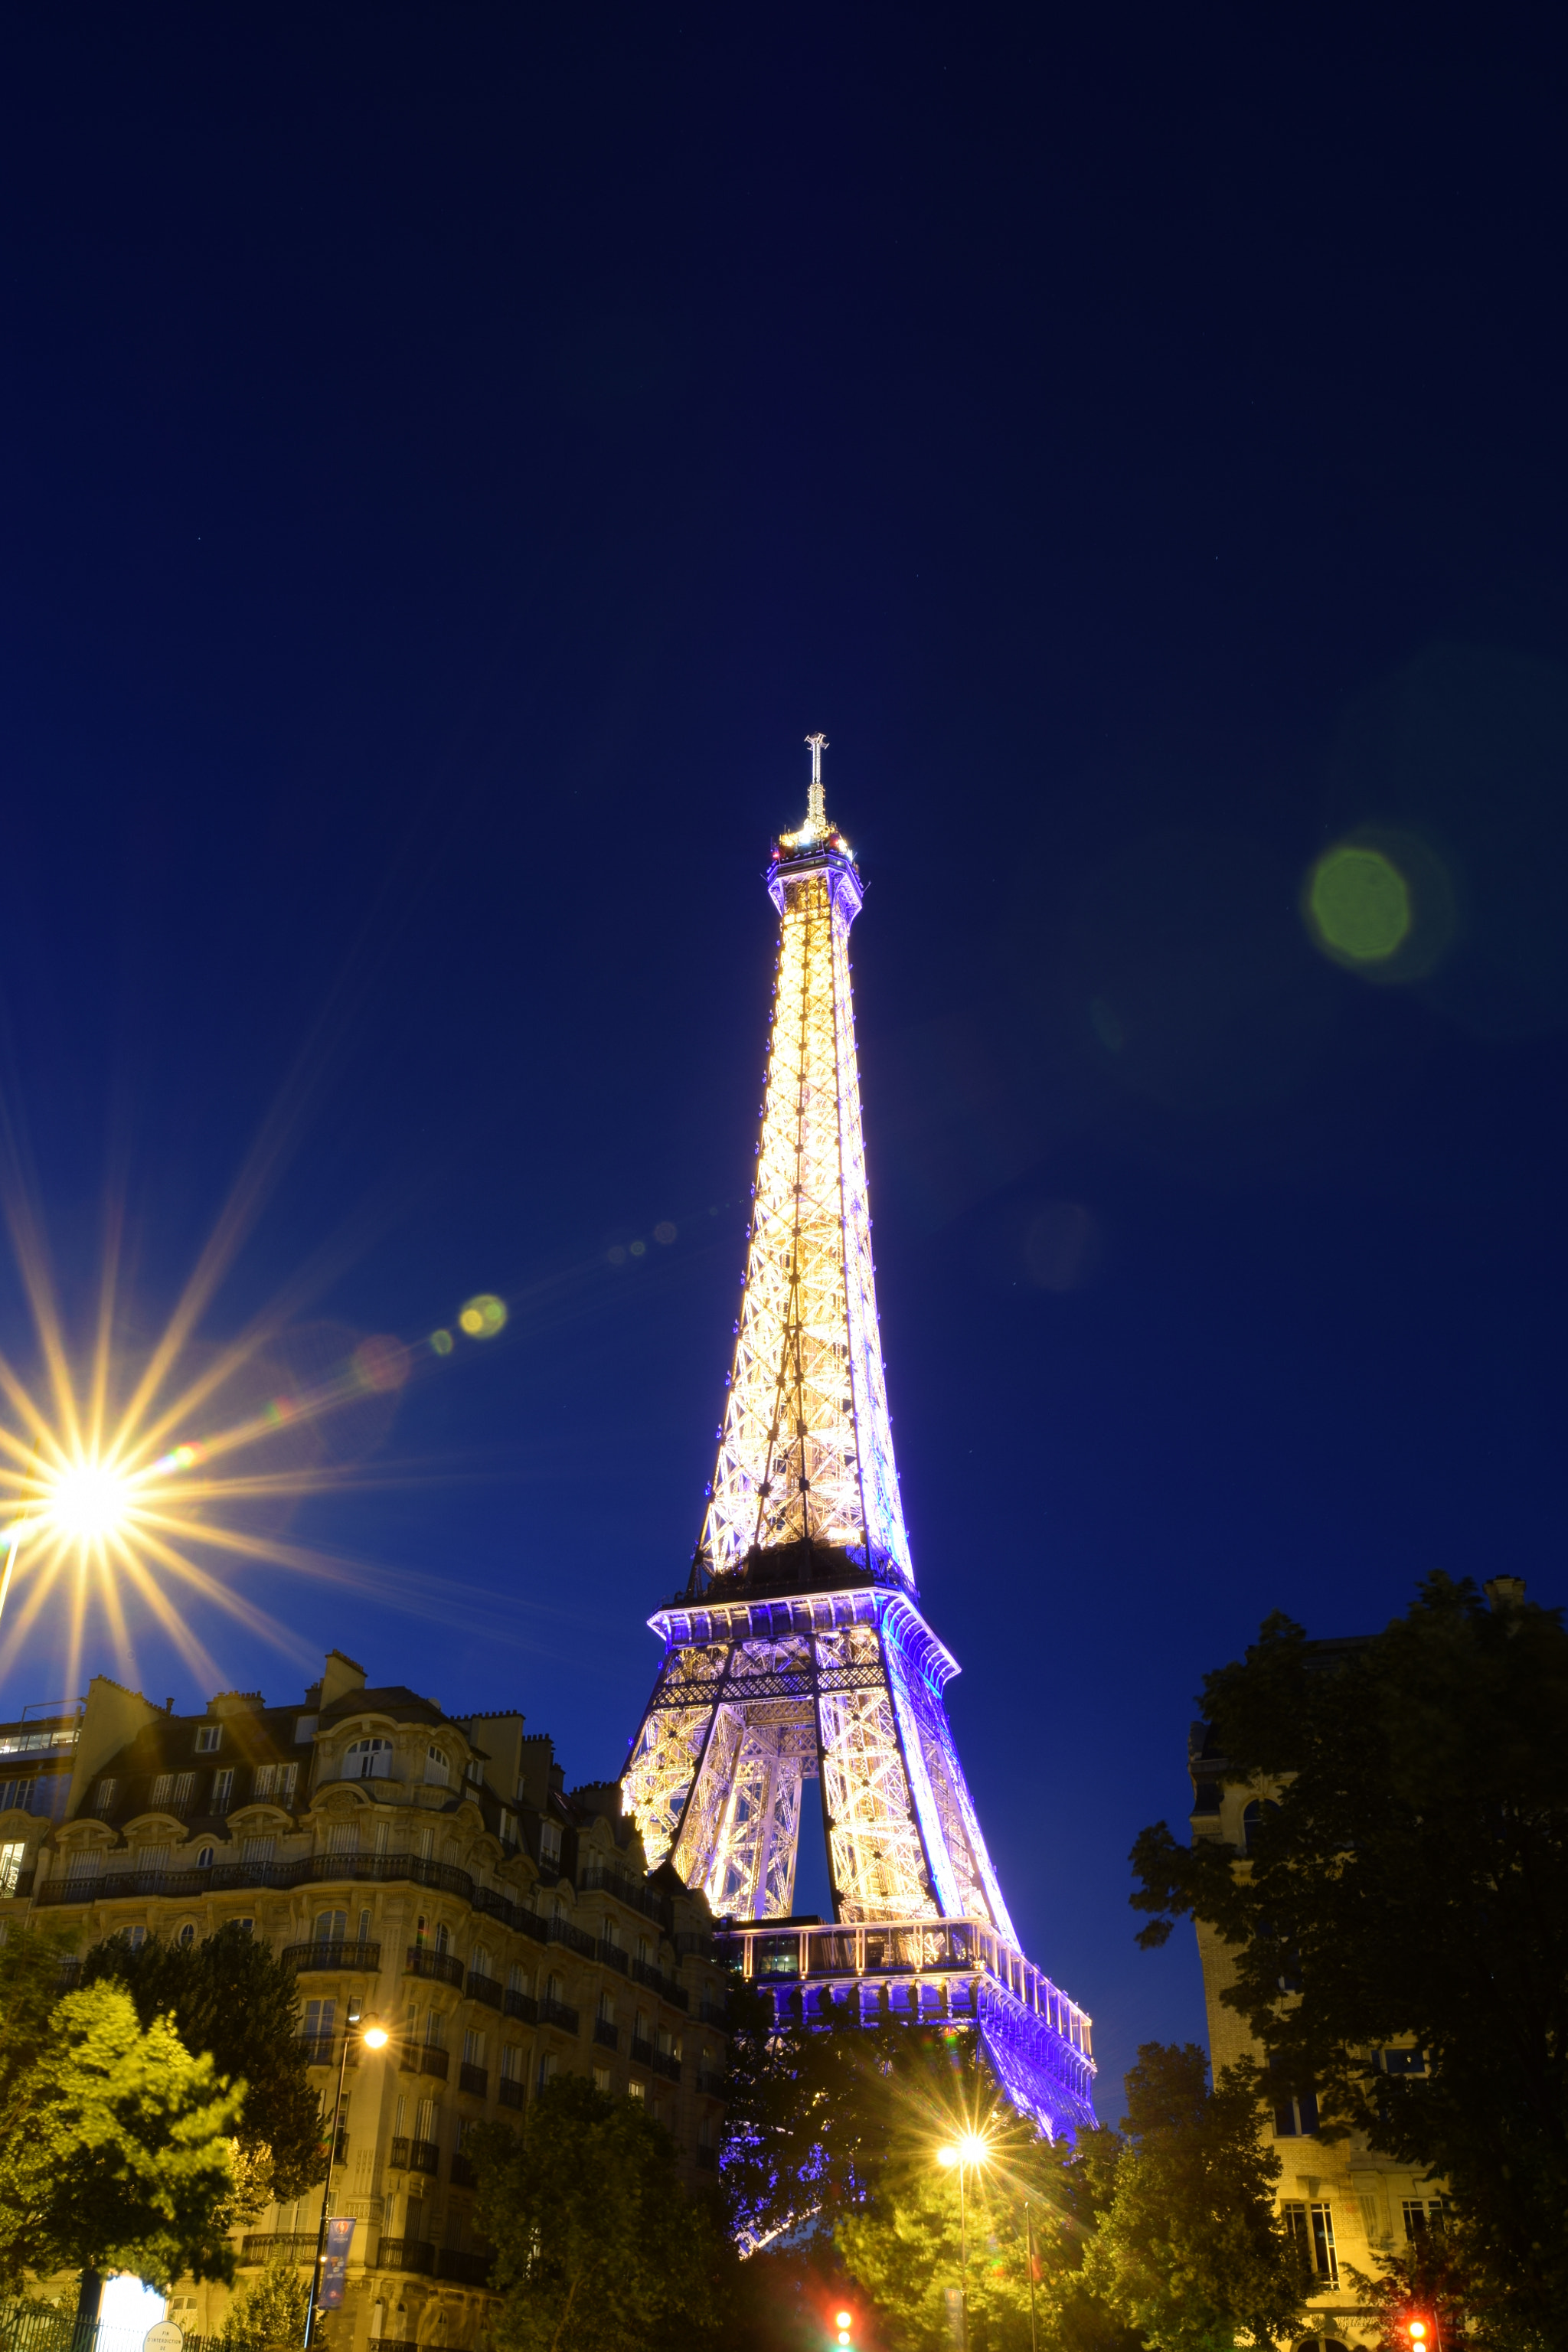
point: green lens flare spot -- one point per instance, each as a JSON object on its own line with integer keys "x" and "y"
{"x": 441, "y": 1341}
{"x": 1360, "y": 904}
{"x": 483, "y": 1317}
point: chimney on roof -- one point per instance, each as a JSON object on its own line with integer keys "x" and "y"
{"x": 340, "y": 1677}
{"x": 1503, "y": 1594}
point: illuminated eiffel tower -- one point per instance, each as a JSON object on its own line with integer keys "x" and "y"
{"x": 799, "y": 1650}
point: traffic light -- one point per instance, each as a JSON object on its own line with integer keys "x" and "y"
{"x": 844, "y": 2322}
{"x": 1419, "y": 2332}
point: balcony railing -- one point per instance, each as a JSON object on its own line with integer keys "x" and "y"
{"x": 596, "y": 1879}
{"x": 711, "y": 2085}
{"x": 614, "y": 1956}
{"x": 311, "y": 1870}
{"x": 485, "y": 1988}
{"x": 522, "y": 2005}
{"x": 415, "y": 2156}
{"x": 509, "y": 2093}
{"x": 666, "y": 1987}
{"x": 441, "y": 1968}
{"x": 475, "y": 2079}
{"x": 642, "y": 2052}
{"x": 713, "y": 2013}
{"x": 556, "y": 2012}
{"x": 608, "y": 2036}
{"x": 320, "y": 2048}
{"x": 463, "y": 2269}
{"x": 405, "y": 2254}
{"x": 331, "y": 1952}
{"x": 665, "y": 2063}
{"x": 279, "y": 2246}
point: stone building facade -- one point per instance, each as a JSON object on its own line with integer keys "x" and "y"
{"x": 1345, "y": 2205}
{"x": 432, "y": 1865}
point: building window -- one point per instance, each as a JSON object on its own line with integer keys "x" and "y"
{"x": 549, "y": 2067}
{"x": 517, "y": 1978}
{"x": 479, "y": 1961}
{"x": 1421, "y": 2215}
{"x": 636, "y": 2090}
{"x": 601, "y": 2079}
{"x": 136, "y": 1937}
{"x": 12, "y": 1858}
{"x": 223, "y": 1789}
{"x": 103, "y": 1803}
{"x": 608, "y": 2008}
{"x": 1402, "y": 2062}
{"x": 264, "y": 1783}
{"x": 1252, "y": 1819}
{"x": 436, "y": 1765}
{"x": 508, "y": 1829}
{"x": 1296, "y": 2117}
{"x": 161, "y": 1793}
{"x": 550, "y": 1843}
{"x": 367, "y": 1760}
{"x": 320, "y": 2020}
{"x": 473, "y": 2049}
{"x": 428, "y": 2119}
{"x": 342, "y": 1837}
{"x": 288, "y": 1780}
{"x": 255, "y": 1853}
{"x": 276, "y": 1783}
{"x": 207, "y": 1737}
{"x": 365, "y": 1924}
{"x": 188, "y": 1934}
{"x": 155, "y": 1858}
{"x": 184, "y": 1792}
{"x": 205, "y": 1858}
{"x": 435, "y": 2034}
{"x": 332, "y": 1926}
{"x": 510, "y": 2062}
{"x": 1311, "y": 2228}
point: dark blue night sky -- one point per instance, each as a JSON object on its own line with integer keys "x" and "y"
{"x": 450, "y": 457}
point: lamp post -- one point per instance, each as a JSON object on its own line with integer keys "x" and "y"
{"x": 375, "y": 2037}
{"x": 1029, "y": 2257}
{"x": 972, "y": 2149}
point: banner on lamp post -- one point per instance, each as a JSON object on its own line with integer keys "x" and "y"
{"x": 335, "y": 2265}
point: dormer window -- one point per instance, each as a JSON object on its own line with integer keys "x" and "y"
{"x": 208, "y": 1735}
{"x": 436, "y": 1766}
{"x": 367, "y": 1760}
{"x": 550, "y": 1843}
{"x": 103, "y": 1803}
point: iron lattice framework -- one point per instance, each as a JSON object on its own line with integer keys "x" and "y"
{"x": 798, "y": 1651}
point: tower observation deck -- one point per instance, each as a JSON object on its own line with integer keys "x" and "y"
{"x": 799, "y": 1650}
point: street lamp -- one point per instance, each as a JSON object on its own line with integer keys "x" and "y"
{"x": 373, "y": 2036}
{"x": 970, "y": 2148}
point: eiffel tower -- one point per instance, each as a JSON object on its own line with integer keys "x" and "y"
{"x": 799, "y": 1650}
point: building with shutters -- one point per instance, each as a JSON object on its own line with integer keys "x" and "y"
{"x": 432, "y": 1865}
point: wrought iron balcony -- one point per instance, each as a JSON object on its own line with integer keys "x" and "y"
{"x": 474, "y": 2079}
{"x": 485, "y": 1988}
{"x": 711, "y": 2085}
{"x": 665, "y": 2063}
{"x": 666, "y": 1987}
{"x": 463, "y": 2269}
{"x": 279, "y": 2246}
{"x": 642, "y": 2052}
{"x": 614, "y": 1956}
{"x": 596, "y": 1879}
{"x": 441, "y": 1968}
{"x": 608, "y": 2036}
{"x": 415, "y": 2156}
{"x": 405, "y": 2254}
{"x": 522, "y": 2005}
{"x": 509, "y": 2093}
{"x": 331, "y": 1952}
{"x": 434, "y": 2061}
{"x": 556, "y": 2012}
{"x": 320, "y": 2048}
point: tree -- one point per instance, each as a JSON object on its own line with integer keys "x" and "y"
{"x": 268, "y": 2312}
{"x": 1430, "y": 2277}
{"x": 114, "y": 2150}
{"x": 233, "y": 1999}
{"x": 597, "y": 2247}
{"x": 1188, "y": 2248}
{"x": 1410, "y": 1884}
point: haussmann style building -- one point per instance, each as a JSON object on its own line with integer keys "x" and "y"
{"x": 432, "y": 1865}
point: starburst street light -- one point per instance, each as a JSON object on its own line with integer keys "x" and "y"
{"x": 972, "y": 2149}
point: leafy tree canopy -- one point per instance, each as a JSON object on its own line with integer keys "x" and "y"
{"x": 598, "y": 2247}
{"x": 233, "y": 1999}
{"x": 1188, "y": 2247}
{"x": 1411, "y": 1884}
{"x": 115, "y": 2149}
{"x": 268, "y": 2314}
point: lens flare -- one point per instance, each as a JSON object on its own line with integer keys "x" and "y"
{"x": 483, "y": 1317}
{"x": 1360, "y": 903}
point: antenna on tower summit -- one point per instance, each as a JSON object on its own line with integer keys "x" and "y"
{"x": 816, "y": 809}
